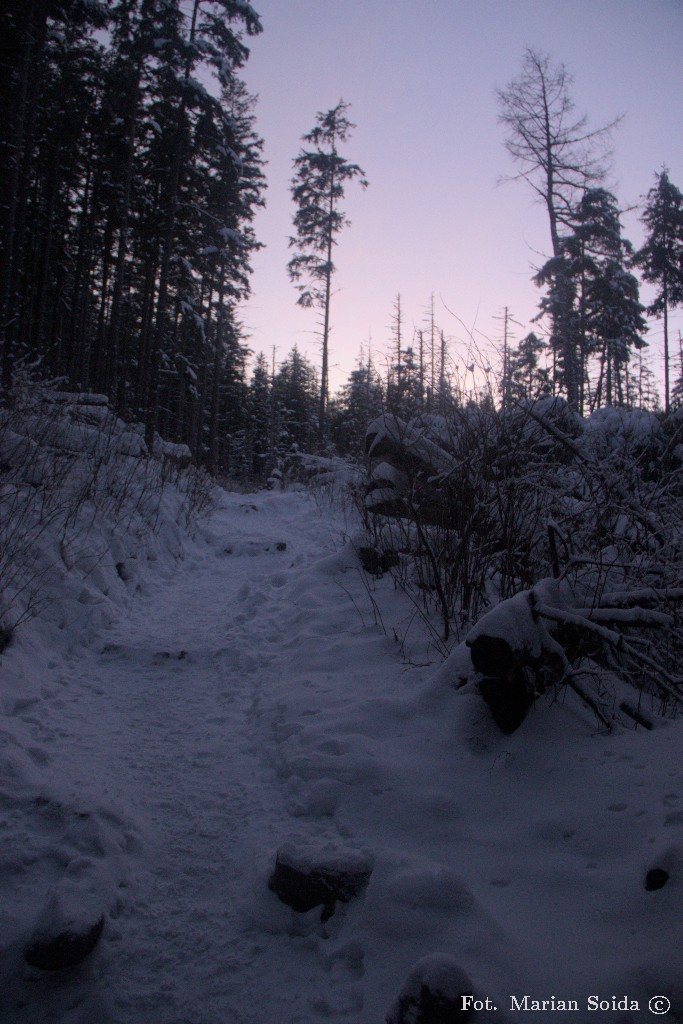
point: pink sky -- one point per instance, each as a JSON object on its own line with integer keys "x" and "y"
{"x": 421, "y": 76}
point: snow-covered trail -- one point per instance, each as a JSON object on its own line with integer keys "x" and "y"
{"x": 255, "y": 696}
{"x": 161, "y": 717}
{"x": 182, "y": 681}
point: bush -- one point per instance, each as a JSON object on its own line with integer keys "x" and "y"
{"x": 485, "y": 504}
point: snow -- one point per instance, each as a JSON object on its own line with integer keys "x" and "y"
{"x": 328, "y": 856}
{"x": 165, "y": 736}
{"x": 389, "y": 430}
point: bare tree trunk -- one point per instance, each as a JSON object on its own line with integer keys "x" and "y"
{"x": 667, "y": 387}
{"x": 215, "y": 386}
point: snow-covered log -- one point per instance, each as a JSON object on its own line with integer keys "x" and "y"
{"x": 534, "y": 641}
{"x": 74, "y": 398}
{"x": 413, "y": 477}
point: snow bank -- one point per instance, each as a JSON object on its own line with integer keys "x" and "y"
{"x": 85, "y": 515}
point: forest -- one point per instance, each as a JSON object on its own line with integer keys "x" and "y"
{"x": 132, "y": 171}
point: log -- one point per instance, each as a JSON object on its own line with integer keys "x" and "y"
{"x": 492, "y": 656}
{"x": 376, "y": 562}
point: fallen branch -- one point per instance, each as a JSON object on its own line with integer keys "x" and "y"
{"x": 633, "y": 616}
{"x": 570, "y": 678}
{"x": 618, "y": 642}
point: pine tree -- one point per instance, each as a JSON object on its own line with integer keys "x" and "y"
{"x": 317, "y": 189}
{"x": 661, "y": 257}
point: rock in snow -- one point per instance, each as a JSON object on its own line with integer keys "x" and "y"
{"x": 71, "y": 922}
{"x": 377, "y": 562}
{"x": 60, "y": 941}
{"x": 432, "y": 993}
{"x": 307, "y": 877}
{"x": 55, "y": 953}
{"x": 656, "y": 878}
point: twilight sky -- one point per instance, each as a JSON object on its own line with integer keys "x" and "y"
{"x": 421, "y": 77}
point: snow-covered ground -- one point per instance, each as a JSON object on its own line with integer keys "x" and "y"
{"x": 154, "y": 759}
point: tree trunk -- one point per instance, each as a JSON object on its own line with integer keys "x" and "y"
{"x": 322, "y": 411}
{"x": 215, "y": 388}
{"x": 667, "y": 388}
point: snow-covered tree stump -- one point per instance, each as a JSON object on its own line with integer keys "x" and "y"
{"x": 507, "y": 647}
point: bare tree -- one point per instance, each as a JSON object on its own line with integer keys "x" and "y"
{"x": 559, "y": 157}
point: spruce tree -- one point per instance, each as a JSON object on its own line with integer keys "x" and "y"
{"x": 360, "y": 401}
{"x": 295, "y": 400}
{"x": 527, "y": 378}
{"x": 259, "y": 419}
{"x": 130, "y": 174}
{"x": 610, "y": 319}
{"x": 605, "y": 314}
{"x": 677, "y": 390}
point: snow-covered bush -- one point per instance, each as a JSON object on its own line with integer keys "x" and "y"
{"x": 489, "y": 503}
{"x": 478, "y": 489}
{"x": 68, "y": 463}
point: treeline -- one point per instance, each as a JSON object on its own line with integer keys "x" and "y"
{"x": 130, "y": 173}
{"x": 130, "y": 176}
{"x": 277, "y": 408}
